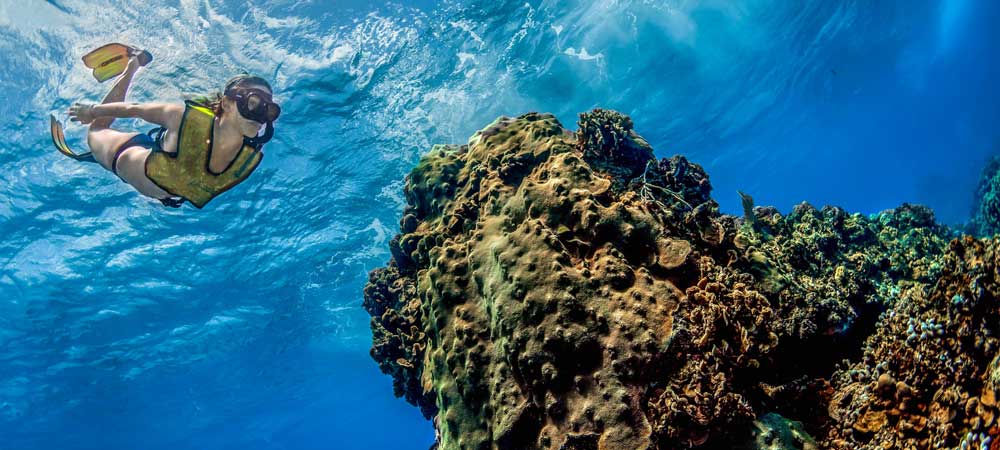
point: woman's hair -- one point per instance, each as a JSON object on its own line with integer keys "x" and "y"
{"x": 213, "y": 101}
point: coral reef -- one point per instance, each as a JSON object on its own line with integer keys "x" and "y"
{"x": 986, "y": 211}
{"x": 930, "y": 372}
{"x": 559, "y": 290}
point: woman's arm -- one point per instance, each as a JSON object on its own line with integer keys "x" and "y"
{"x": 163, "y": 114}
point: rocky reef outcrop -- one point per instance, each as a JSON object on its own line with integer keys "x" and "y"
{"x": 929, "y": 373}
{"x": 567, "y": 290}
{"x": 986, "y": 210}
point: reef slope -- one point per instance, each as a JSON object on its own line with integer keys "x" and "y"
{"x": 559, "y": 290}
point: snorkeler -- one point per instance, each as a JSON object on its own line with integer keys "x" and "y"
{"x": 200, "y": 149}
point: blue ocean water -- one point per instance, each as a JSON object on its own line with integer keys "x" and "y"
{"x": 127, "y": 325}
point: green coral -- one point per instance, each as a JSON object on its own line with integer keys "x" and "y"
{"x": 774, "y": 432}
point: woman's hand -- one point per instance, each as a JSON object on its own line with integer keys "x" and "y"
{"x": 83, "y": 113}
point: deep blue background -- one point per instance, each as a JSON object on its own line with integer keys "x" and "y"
{"x": 126, "y": 325}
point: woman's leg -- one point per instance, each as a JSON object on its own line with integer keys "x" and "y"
{"x": 103, "y": 140}
{"x": 132, "y": 169}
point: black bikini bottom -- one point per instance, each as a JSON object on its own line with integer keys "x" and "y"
{"x": 144, "y": 140}
{"x": 139, "y": 140}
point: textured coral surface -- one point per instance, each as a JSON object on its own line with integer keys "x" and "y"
{"x": 986, "y": 211}
{"x": 560, "y": 290}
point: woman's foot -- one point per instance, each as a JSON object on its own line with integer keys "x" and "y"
{"x": 143, "y": 56}
{"x": 137, "y": 60}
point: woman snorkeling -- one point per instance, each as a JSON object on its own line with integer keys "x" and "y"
{"x": 200, "y": 148}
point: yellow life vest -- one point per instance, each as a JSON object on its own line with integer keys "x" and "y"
{"x": 187, "y": 173}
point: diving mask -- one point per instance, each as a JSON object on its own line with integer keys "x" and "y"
{"x": 255, "y": 104}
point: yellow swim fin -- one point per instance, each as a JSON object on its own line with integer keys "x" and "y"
{"x": 59, "y": 140}
{"x": 110, "y": 60}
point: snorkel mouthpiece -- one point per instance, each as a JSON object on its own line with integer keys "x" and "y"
{"x": 258, "y": 141}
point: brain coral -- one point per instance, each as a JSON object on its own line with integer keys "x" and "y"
{"x": 566, "y": 290}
